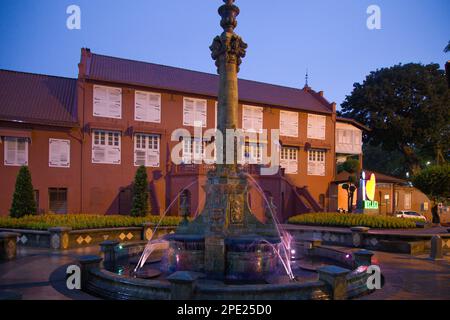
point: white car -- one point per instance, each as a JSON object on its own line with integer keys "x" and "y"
{"x": 411, "y": 215}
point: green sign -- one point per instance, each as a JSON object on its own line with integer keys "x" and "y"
{"x": 370, "y": 204}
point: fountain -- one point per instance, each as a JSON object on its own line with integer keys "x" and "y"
{"x": 226, "y": 241}
{"x": 225, "y": 252}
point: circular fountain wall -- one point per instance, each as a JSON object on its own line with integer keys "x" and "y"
{"x": 246, "y": 258}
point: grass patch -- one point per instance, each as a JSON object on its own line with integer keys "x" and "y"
{"x": 352, "y": 220}
{"x": 82, "y": 221}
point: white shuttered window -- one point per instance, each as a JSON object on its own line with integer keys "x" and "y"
{"x": 107, "y": 102}
{"x": 316, "y": 127}
{"x": 288, "y": 123}
{"x": 194, "y": 111}
{"x": 16, "y": 151}
{"x": 146, "y": 150}
{"x": 316, "y": 162}
{"x": 252, "y": 118}
{"x": 289, "y": 159}
{"x": 59, "y": 153}
{"x": 106, "y": 147}
{"x": 147, "y": 106}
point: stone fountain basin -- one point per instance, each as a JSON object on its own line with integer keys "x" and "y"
{"x": 100, "y": 282}
{"x": 248, "y": 258}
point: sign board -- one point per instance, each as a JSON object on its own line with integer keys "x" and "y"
{"x": 368, "y": 204}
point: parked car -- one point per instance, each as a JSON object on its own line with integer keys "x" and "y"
{"x": 411, "y": 215}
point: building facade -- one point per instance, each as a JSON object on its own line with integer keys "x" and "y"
{"x": 84, "y": 138}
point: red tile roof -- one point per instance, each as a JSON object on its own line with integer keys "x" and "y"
{"x": 343, "y": 176}
{"x": 34, "y": 98}
{"x": 118, "y": 70}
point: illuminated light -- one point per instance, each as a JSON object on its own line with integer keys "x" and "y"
{"x": 361, "y": 269}
{"x": 347, "y": 256}
{"x": 363, "y": 183}
{"x": 370, "y": 187}
{"x": 120, "y": 247}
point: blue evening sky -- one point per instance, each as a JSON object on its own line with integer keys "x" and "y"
{"x": 327, "y": 37}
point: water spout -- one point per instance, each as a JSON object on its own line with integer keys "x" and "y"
{"x": 285, "y": 237}
{"x": 152, "y": 244}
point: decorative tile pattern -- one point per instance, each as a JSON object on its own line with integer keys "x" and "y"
{"x": 82, "y": 239}
{"x": 55, "y": 241}
{"x": 23, "y": 239}
{"x": 129, "y": 236}
{"x": 356, "y": 239}
{"x": 446, "y": 243}
{"x": 148, "y": 234}
{"x": 122, "y": 236}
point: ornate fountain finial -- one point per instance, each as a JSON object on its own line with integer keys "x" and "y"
{"x": 229, "y": 45}
{"x": 228, "y": 12}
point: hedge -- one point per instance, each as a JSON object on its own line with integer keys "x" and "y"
{"x": 352, "y": 220}
{"x": 82, "y": 221}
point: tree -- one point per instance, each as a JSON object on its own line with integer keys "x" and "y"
{"x": 23, "y": 202}
{"x": 434, "y": 181}
{"x": 140, "y": 206}
{"x": 408, "y": 109}
{"x": 352, "y": 167}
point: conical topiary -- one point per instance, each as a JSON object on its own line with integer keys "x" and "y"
{"x": 140, "y": 206}
{"x": 23, "y": 199}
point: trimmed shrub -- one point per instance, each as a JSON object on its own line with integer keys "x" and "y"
{"x": 140, "y": 206}
{"x": 23, "y": 202}
{"x": 352, "y": 220}
{"x": 82, "y": 221}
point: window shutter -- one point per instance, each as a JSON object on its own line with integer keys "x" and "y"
{"x": 139, "y": 158}
{"x": 107, "y": 102}
{"x": 99, "y": 153}
{"x": 200, "y": 112}
{"x": 188, "y": 112}
{"x": 59, "y": 153}
{"x": 316, "y": 127}
{"x": 10, "y": 148}
{"x": 140, "y": 106}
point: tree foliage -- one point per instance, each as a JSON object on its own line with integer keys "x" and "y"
{"x": 23, "y": 202}
{"x": 408, "y": 109}
{"x": 140, "y": 206}
{"x": 434, "y": 181}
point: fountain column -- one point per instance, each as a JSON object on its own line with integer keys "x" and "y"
{"x": 226, "y": 220}
{"x": 227, "y": 50}
{"x": 224, "y": 185}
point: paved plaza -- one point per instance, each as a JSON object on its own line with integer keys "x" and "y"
{"x": 40, "y": 274}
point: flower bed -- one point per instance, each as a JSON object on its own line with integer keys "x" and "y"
{"x": 352, "y": 220}
{"x": 83, "y": 221}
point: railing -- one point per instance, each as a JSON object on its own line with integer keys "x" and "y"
{"x": 203, "y": 169}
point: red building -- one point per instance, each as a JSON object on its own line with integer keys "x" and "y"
{"x": 84, "y": 138}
